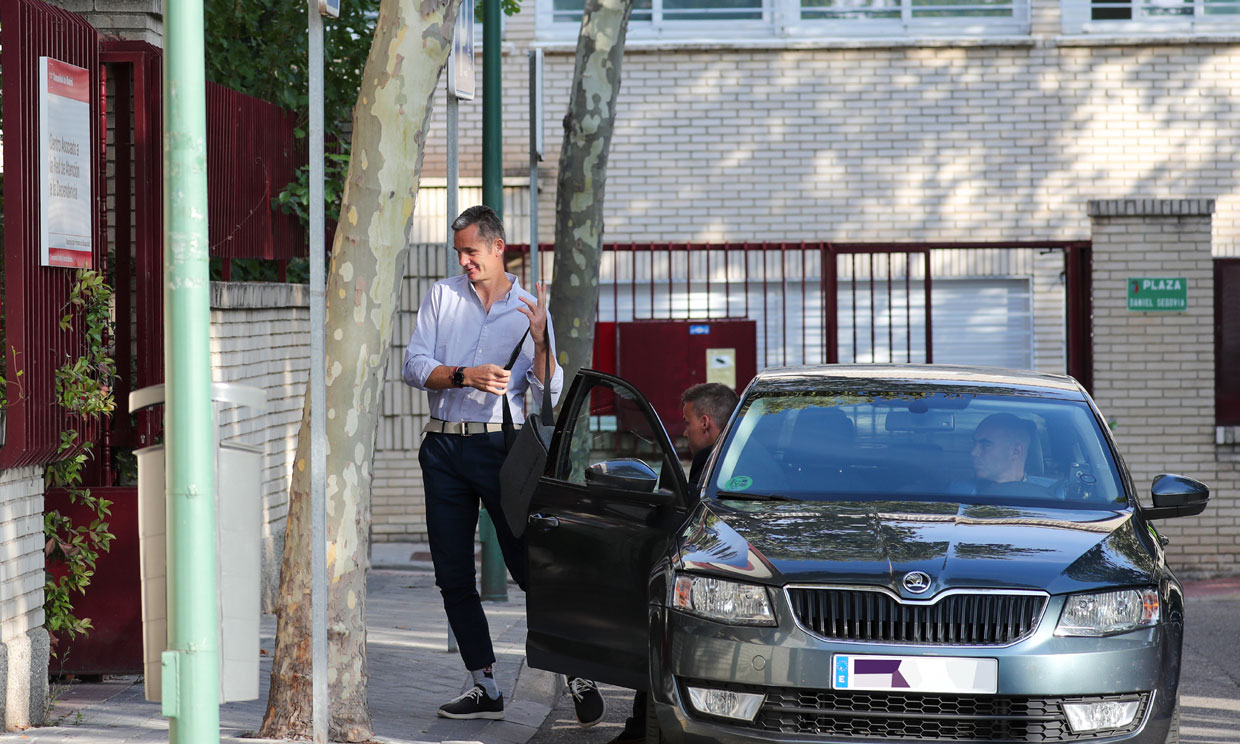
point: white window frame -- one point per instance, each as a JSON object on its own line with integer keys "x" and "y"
{"x": 1018, "y": 24}
{"x": 1076, "y": 15}
{"x": 781, "y": 19}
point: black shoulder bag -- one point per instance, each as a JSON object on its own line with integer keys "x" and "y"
{"x": 527, "y": 452}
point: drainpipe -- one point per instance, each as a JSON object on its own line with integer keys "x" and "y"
{"x": 191, "y": 685}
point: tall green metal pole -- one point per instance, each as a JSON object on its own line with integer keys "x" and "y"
{"x": 190, "y": 693}
{"x": 492, "y": 114}
{"x": 494, "y": 585}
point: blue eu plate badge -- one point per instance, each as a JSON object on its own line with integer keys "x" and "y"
{"x": 936, "y": 674}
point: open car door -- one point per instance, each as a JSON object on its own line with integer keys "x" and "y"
{"x": 600, "y": 518}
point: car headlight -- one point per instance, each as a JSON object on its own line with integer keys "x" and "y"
{"x": 726, "y": 601}
{"x": 1106, "y": 613}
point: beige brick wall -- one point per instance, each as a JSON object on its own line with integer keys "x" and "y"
{"x": 24, "y": 643}
{"x": 397, "y": 503}
{"x": 1154, "y": 372}
{"x": 21, "y": 551}
{"x": 863, "y": 141}
{"x": 260, "y": 336}
{"x": 137, "y": 20}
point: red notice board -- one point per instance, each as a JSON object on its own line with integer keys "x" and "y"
{"x": 663, "y": 357}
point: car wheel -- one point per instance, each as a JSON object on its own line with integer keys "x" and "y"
{"x": 654, "y": 735}
{"x": 1173, "y": 733}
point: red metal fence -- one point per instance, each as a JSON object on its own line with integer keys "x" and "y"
{"x": 36, "y": 297}
{"x": 251, "y": 155}
{"x": 136, "y": 188}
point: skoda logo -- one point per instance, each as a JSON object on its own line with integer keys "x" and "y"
{"x": 916, "y": 582}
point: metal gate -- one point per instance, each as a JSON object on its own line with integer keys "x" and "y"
{"x": 36, "y": 297}
{"x": 251, "y": 155}
{"x": 823, "y": 303}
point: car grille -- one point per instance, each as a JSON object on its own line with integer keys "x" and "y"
{"x": 981, "y": 619}
{"x": 885, "y": 715}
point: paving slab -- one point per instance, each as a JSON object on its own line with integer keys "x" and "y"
{"x": 411, "y": 673}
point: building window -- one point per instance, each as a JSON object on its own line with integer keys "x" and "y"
{"x": 749, "y": 19}
{"x": 1150, "y": 16}
{"x": 841, "y": 10}
{"x": 1227, "y": 341}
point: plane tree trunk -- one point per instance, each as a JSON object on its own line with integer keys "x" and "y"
{"x": 588, "y": 127}
{"x": 390, "y": 121}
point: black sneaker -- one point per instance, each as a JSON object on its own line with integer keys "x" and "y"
{"x": 587, "y": 700}
{"x": 475, "y": 703}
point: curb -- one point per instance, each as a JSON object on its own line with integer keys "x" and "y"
{"x": 1209, "y": 589}
{"x": 537, "y": 686}
{"x": 533, "y": 697}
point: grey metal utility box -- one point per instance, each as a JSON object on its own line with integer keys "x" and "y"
{"x": 238, "y": 516}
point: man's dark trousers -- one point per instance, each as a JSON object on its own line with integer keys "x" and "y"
{"x": 458, "y": 472}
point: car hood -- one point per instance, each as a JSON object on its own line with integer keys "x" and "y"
{"x": 878, "y": 542}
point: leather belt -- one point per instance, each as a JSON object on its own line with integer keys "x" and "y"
{"x": 462, "y": 428}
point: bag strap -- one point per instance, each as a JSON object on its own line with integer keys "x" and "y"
{"x": 548, "y": 418}
{"x": 509, "y": 429}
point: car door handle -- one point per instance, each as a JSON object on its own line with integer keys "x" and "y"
{"x": 545, "y": 523}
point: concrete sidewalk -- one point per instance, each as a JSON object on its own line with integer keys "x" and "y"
{"x": 411, "y": 674}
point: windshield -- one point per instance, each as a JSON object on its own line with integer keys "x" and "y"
{"x": 997, "y": 449}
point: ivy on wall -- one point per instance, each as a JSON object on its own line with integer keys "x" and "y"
{"x": 84, "y": 388}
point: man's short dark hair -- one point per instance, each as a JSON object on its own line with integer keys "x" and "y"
{"x": 1020, "y": 430}
{"x": 490, "y": 226}
{"x": 712, "y": 399}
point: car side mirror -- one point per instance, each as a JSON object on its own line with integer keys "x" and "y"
{"x": 625, "y": 474}
{"x": 1176, "y": 496}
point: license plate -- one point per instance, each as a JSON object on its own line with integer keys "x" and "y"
{"x": 916, "y": 674}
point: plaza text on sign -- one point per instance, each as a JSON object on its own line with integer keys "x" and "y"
{"x": 1157, "y": 294}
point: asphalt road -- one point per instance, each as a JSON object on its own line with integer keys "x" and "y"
{"x": 1209, "y": 692}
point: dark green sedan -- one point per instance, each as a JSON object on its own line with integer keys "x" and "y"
{"x": 875, "y": 553}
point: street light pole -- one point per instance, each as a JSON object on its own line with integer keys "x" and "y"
{"x": 494, "y": 585}
{"x": 190, "y": 666}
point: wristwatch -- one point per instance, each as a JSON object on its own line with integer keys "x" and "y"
{"x": 458, "y": 377}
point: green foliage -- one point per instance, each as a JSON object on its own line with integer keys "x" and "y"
{"x": 84, "y": 388}
{"x": 261, "y": 270}
{"x": 295, "y": 198}
{"x": 84, "y": 385}
{"x": 74, "y": 546}
{"x": 509, "y": 8}
{"x": 260, "y": 48}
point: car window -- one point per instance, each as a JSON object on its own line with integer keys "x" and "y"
{"x": 986, "y": 448}
{"x": 610, "y": 424}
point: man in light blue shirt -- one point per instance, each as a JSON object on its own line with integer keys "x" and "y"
{"x": 467, "y": 329}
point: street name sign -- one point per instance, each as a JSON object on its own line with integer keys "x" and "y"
{"x": 1157, "y": 294}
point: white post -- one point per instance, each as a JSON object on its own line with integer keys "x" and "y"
{"x": 318, "y": 386}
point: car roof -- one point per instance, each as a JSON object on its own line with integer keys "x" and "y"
{"x": 918, "y": 376}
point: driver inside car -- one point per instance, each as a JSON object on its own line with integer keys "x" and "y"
{"x": 1000, "y": 452}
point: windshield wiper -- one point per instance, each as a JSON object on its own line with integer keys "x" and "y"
{"x": 743, "y": 496}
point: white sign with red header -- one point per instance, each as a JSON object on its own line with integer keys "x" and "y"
{"x": 65, "y": 199}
